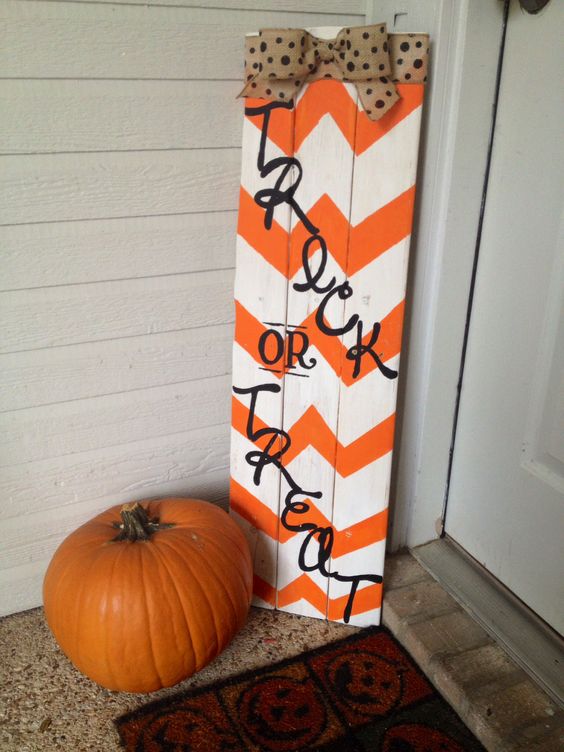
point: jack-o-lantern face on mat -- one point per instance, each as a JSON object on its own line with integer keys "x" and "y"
{"x": 186, "y": 728}
{"x": 416, "y": 737}
{"x": 368, "y": 683}
{"x": 363, "y": 692}
{"x": 282, "y": 713}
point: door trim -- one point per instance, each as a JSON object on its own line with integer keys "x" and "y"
{"x": 532, "y": 644}
{"x": 475, "y": 264}
{"x": 455, "y": 142}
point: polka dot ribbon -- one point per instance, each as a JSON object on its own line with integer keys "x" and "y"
{"x": 279, "y": 61}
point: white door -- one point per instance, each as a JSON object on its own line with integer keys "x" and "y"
{"x": 506, "y": 500}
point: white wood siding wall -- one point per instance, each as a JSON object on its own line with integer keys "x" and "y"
{"x": 119, "y": 174}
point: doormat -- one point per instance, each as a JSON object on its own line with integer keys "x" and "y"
{"x": 360, "y": 694}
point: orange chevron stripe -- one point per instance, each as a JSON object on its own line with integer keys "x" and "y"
{"x": 380, "y": 231}
{"x": 334, "y": 228}
{"x": 361, "y": 534}
{"x": 364, "y": 533}
{"x": 248, "y": 331}
{"x": 369, "y": 239}
{"x": 368, "y": 448}
{"x": 271, "y": 244}
{"x": 369, "y": 131}
{"x": 366, "y": 599}
{"x": 280, "y": 127}
{"x": 247, "y": 334}
{"x": 333, "y": 100}
{"x": 334, "y": 352}
{"x": 303, "y": 587}
{"x": 239, "y": 418}
{"x": 253, "y": 510}
{"x": 311, "y": 430}
{"x": 336, "y": 102}
{"x": 264, "y": 590}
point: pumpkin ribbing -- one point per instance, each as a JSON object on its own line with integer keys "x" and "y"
{"x": 155, "y": 603}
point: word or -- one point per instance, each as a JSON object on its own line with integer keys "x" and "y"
{"x": 272, "y": 347}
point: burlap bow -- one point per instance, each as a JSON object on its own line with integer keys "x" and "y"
{"x": 279, "y": 61}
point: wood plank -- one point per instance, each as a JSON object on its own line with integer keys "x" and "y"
{"x": 153, "y": 467}
{"x": 58, "y": 430}
{"x": 51, "y": 187}
{"x": 62, "y": 253}
{"x": 50, "y": 316}
{"x": 42, "y": 377}
{"x": 144, "y": 41}
{"x": 68, "y": 116}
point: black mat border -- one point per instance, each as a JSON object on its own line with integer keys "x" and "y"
{"x": 172, "y": 699}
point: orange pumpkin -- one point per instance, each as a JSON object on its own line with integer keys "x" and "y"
{"x": 143, "y": 596}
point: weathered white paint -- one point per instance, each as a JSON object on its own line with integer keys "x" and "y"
{"x": 318, "y": 401}
{"x": 119, "y": 173}
{"x": 327, "y": 161}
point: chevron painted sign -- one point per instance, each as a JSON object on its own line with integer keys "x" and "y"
{"x": 325, "y": 217}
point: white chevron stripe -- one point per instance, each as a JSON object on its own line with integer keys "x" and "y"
{"x": 380, "y": 286}
{"x": 254, "y": 276}
{"x": 367, "y": 619}
{"x": 324, "y": 398}
{"x": 320, "y": 174}
{"x": 246, "y": 373}
{"x": 363, "y": 493}
{"x": 374, "y": 392}
{"x": 263, "y": 554}
{"x": 303, "y": 608}
{"x": 386, "y": 169}
{"x": 367, "y": 560}
{"x": 288, "y": 554}
{"x": 322, "y": 480}
{"x": 376, "y": 397}
{"x": 242, "y": 472}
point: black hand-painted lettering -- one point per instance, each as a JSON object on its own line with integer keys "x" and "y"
{"x": 277, "y": 345}
{"x": 312, "y": 279}
{"x": 316, "y": 550}
{"x": 356, "y": 352}
{"x": 310, "y": 558}
{"x": 295, "y": 354}
{"x": 291, "y": 172}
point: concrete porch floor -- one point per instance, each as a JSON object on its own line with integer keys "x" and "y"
{"x": 45, "y": 704}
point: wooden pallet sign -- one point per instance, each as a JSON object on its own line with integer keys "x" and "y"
{"x": 325, "y": 215}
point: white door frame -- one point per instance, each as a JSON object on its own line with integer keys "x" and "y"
{"x": 467, "y": 38}
{"x": 466, "y": 43}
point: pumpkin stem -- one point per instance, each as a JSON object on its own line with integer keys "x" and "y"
{"x": 136, "y": 524}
